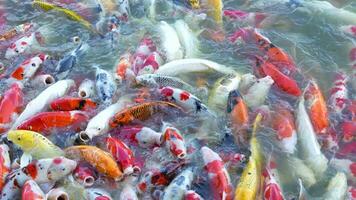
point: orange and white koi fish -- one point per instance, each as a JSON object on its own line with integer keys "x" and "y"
{"x": 317, "y": 108}
{"x": 5, "y": 164}
{"x": 84, "y": 175}
{"x": 28, "y": 68}
{"x": 218, "y": 176}
{"x": 192, "y": 195}
{"x": 17, "y": 30}
{"x": 338, "y": 93}
{"x": 98, "y": 158}
{"x": 123, "y": 155}
{"x": 283, "y": 82}
{"x": 72, "y": 103}
{"x": 42, "y": 101}
{"x": 141, "y": 112}
{"x": 174, "y": 141}
{"x": 45, "y": 122}
{"x": 283, "y": 124}
{"x": 31, "y": 191}
{"x": 10, "y": 106}
{"x": 123, "y": 71}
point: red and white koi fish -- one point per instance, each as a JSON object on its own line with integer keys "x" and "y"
{"x": 45, "y": 122}
{"x": 122, "y": 70}
{"x": 308, "y": 143}
{"x": 283, "y": 124}
{"x": 42, "y": 101}
{"x": 20, "y": 46}
{"x": 84, "y": 175}
{"x": 338, "y": 93}
{"x": 179, "y": 186}
{"x": 5, "y": 164}
{"x": 184, "y": 99}
{"x": 151, "y": 63}
{"x": 72, "y": 103}
{"x": 349, "y": 30}
{"x": 29, "y": 67}
{"x": 97, "y": 194}
{"x": 31, "y": 191}
{"x": 272, "y": 189}
{"x": 351, "y": 193}
{"x": 15, "y": 31}
{"x": 145, "y": 48}
{"x": 159, "y": 176}
{"x": 345, "y": 165}
{"x": 251, "y": 18}
{"x": 86, "y": 89}
{"x": 174, "y": 141}
{"x": 10, "y": 106}
{"x": 220, "y": 183}
{"x": 282, "y": 81}
{"x": 348, "y": 130}
{"x": 143, "y": 136}
{"x": 317, "y": 108}
{"x": 123, "y": 155}
{"x": 192, "y": 195}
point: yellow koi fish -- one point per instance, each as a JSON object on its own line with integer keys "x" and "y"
{"x": 34, "y": 144}
{"x": 250, "y": 180}
{"x": 214, "y": 10}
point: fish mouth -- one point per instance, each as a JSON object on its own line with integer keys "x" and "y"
{"x": 83, "y": 137}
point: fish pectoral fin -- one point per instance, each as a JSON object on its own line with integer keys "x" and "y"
{"x": 25, "y": 159}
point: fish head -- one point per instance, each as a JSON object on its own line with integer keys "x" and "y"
{"x": 22, "y": 138}
{"x": 60, "y": 167}
{"x": 31, "y": 190}
{"x": 147, "y": 138}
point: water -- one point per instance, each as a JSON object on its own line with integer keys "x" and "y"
{"x": 312, "y": 38}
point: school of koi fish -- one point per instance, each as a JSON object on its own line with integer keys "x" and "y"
{"x": 177, "y": 100}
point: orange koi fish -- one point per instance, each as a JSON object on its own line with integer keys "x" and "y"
{"x": 72, "y": 103}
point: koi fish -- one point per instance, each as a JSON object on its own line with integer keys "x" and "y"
{"x": 188, "y": 39}
{"x": 349, "y": 30}
{"x": 192, "y": 195}
{"x": 29, "y": 67}
{"x": 140, "y": 112}
{"x": 128, "y": 192}
{"x": 317, "y": 108}
{"x": 34, "y": 144}
{"x": 156, "y": 177}
{"x": 145, "y": 137}
{"x": 283, "y": 124}
{"x": 97, "y": 194}
{"x": 338, "y": 93}
{"x": 151, "y": 63}
{"x": 170, "y": 44}
{"x": 42, "y": 81}
{"x": 57, "y": 193}
{"x": 67, "y": 63}
{"x": 72, "y": 103}
{"x": 85, "y": 175}
{"x": 179, "y": 185}
{"x": 99, "y": 159}
{"x": 192, "y": 65}
{"x": 174, "y": 141}
{"x": 214, "y": 9}
{"x": 145, "y": 48}
{"x": 272, "y": 189}
{"x": 105, "y": 85}
{"x": 187, "y": 101}
{"x": 45, "y": 122}
{"x": 346, "y": 166}
{"x": 247, "y": 80}
{"x": 99, "y": 124}
{"x": 238, "y": 114}
{"x": 5, "y": 164}
{"x": 15, "y": 31}
{"x": 220, "y": 183}
{"x": 10, "y": 106}
{"x": 250, "y": 181}
{"x": 41, "y": 102}
{"x": 257, "y": 93}
{"x": 308, "y": 143}
{"x": 20, "y": 46}
{"x": 31, "y": 191}
{"x": 281, "y": 80}
{"x": 221, "y": 89}
{"x": 123, "y": 155}
{"x": 86, "y": 88}
{"x": 337, "y": 187}
{"x": 67, "y": 12}
{"x": 122, "y": 70}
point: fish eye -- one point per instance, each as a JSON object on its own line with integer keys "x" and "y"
{"x": 33, "y": 65}
{"x": 17, "y": 51}
{"x": 18, "y": 138}
{"x": 63, "y": 169}
{"x": 99, "y": 129}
